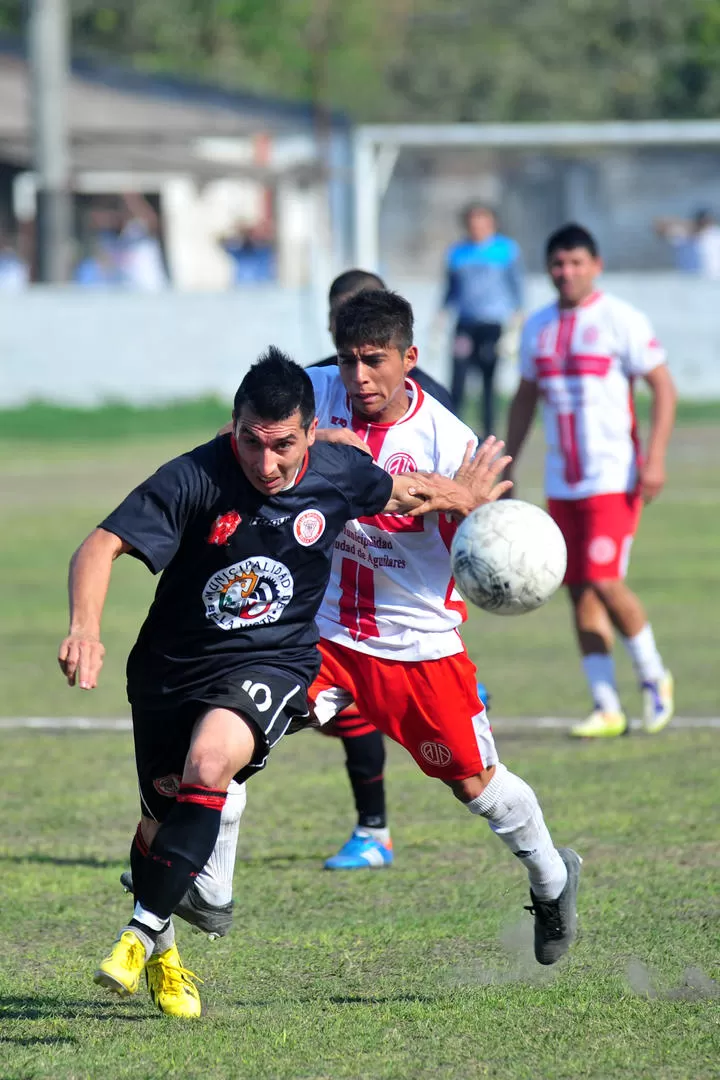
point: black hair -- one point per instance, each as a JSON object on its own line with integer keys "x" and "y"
{"x": 351, "y": 282}
{"x": 275, "y": 387}
{"x": 570, "y": 237}
{"x": 375, "y": 317}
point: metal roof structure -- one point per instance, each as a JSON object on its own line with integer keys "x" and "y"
{"x": 125, "y": 120}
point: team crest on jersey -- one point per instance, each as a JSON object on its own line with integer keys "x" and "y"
{"x": 168, "y": 785}
{"x": 436, "y": 753}
{"x": 253, "y": 592}
{"x": 400, "y": 463}
{"x": 309, "y": 527}
{"x": 590, "y": 335}
{"x": 223, "y": 527}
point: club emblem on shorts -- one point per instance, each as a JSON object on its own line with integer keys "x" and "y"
{"x": 400, "y": 463}
{"x": 436, "y": 753}
{"x": 309, "y": 527}
{"x": 168, "y": 785}
{"x": 223, "y": 527}
{"x": 602, "y": 550}
{"x": 253, "y": 592}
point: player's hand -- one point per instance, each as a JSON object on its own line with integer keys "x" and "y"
{"x": 479, "y": 472}
{"x": 80, "y": 657}
{"x": 652, "y": 480}
{"x": 439, "y": 495}
{"x": 342, "y": 435}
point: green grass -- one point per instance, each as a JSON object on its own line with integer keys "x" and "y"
{"x": 53, "y": 493}
{"x": 46, "y": 422}
{"x": 422, "y": 971}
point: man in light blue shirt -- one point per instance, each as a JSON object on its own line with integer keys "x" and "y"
{"x": 485, "y": 289}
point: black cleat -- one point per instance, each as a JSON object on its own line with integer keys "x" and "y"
{"x": 556, "y": 920}
{"x": 203, "y": 917}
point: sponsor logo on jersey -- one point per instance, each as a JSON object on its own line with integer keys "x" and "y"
{"x": 398, "y": 463}
{"x": 168, "y": 785}
{"x": 223, "y": 527}
{"x": 253, "y": 592}
{"x": 602, "y": 550}
{"x": 274, "y": 523}
{"x": 590, "y": 335}
{"x": 436, "y": 753}
{"x": 339, "y": 421}
{"x": 309, "y": 527}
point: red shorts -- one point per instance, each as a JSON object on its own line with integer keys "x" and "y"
{"x": 598, "y": 533}
{"x": 430, "y": 707}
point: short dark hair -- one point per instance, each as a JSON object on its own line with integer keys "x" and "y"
{"x": 375, "y": 317}
{"x": 275, "y": 387}
{"x": 353, "y": 281}
{"x": 570, "y": 237}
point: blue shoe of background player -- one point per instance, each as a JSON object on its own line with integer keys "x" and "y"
{"x": 484, "y": 695}
{"x": 362, "y": 852}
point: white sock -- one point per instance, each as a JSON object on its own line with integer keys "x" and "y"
{"x": 599, "y": 671}
{"x": 381, "y": 835}
{"x": 514, "y": 814}
{"x": 645, "y": 657}
{"x": 215, "y": 880}
{"x": 165, "y": 939}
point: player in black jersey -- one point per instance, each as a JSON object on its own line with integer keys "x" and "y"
{"x": 243, "y": 530}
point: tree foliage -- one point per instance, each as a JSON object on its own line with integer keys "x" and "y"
{"x": 484, "y": 60}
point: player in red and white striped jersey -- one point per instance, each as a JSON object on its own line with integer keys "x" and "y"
{"x": 390, "y": 618}
{"x": 581, "y": 355}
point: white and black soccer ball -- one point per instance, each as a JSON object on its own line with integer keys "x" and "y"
{"x": 508, "y": 557}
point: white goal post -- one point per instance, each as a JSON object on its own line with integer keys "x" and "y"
{"x": 376, "y": 148}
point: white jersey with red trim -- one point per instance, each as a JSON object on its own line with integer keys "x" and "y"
{"x": 584, "y": 361}
{"x": 391, "y": 593}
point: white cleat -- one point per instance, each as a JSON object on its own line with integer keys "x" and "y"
{"x": 658, "y": 703}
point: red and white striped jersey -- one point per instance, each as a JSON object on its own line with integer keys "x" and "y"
{"x": 391, "y": 593}
{"x": 584, "y": 361}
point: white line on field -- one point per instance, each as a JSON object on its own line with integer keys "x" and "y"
{"x": 500, "y": 725}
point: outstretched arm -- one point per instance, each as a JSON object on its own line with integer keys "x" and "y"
{"x": 474, "y": 484}
{"x": 81, "y": 653}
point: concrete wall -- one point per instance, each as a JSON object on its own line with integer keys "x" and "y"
{"x": 85, "y": 347}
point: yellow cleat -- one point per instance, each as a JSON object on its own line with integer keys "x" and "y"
{"x": 171, "y": 985}
{"x": 121, "y": 970}
{"x": 658, "y": 703}
{"x": 601, "y": 725}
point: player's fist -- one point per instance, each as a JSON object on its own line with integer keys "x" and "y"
{"x": 652, "y": 480}
{"x": 81, "y": 657}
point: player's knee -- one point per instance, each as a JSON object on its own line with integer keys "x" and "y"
{"x": 472, "y": 786}
{"x": 210, "y": 768}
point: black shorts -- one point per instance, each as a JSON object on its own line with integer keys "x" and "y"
{"x": 269, "y": 699}
{"x": 475, "y": 344}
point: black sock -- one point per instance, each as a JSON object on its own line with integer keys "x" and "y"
{"x": 365, "y": 761}
{"x": 182, "y": 846}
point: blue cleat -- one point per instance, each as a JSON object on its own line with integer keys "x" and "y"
{"x": 361, "y": 852}
{"x": 484, "y": 695}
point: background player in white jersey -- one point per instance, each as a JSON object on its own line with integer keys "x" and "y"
{"x": 581, "y": 355}
{"x": 389, "y": 621}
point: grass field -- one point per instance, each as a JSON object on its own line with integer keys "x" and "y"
{"x": 424, "y": 970}
{"x": 54, "y": 490}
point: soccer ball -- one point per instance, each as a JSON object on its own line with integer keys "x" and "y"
{"x": 508, "y": 557}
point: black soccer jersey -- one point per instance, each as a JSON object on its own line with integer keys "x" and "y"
{"x": 243, "y": 573}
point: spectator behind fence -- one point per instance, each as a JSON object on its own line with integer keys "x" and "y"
{"x": 484, "y": 288}
{"x": 252, "y": 252}
{"x": 14, "y": 272}
{"x": 695, "y": 243}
